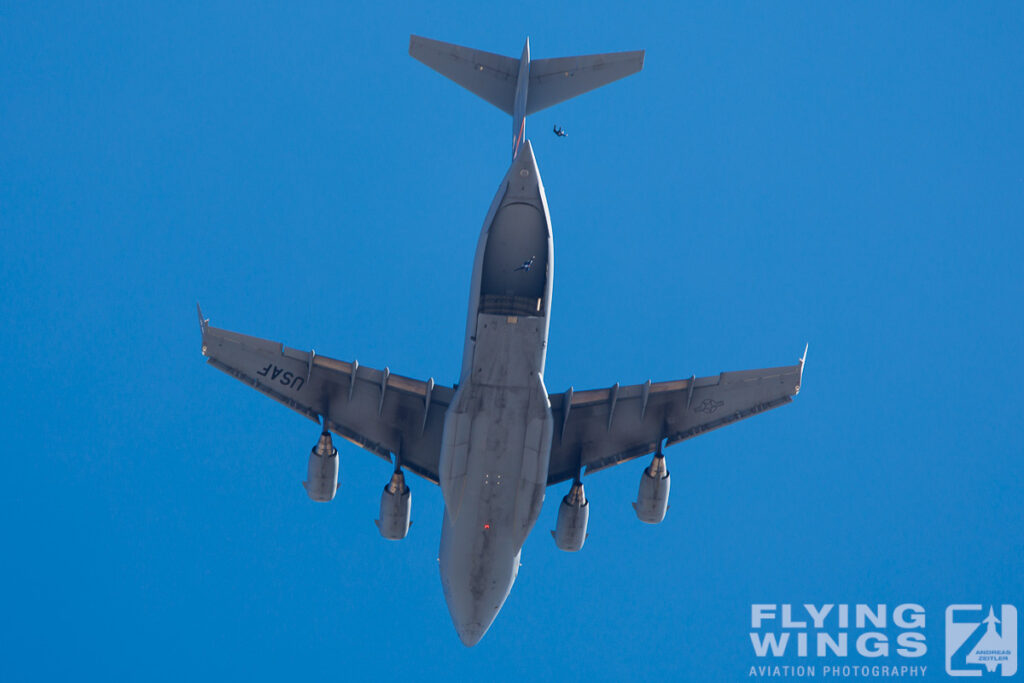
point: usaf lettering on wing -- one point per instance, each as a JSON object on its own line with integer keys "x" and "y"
{"x": 289, "y": 379}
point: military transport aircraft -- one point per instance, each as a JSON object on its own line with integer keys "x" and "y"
{"x": 496, "y": 440}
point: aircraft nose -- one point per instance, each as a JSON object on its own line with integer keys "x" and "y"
{"x": 476, "y": 583}
{"x": 470, "y": 632}
{"x": 472, "y": 614}
{"x": 471, "y": 618}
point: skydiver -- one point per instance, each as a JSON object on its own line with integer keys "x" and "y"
{"x": 526, "y": 265}
{"x": 560, "y": 132}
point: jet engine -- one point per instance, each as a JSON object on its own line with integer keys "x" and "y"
{"x": 322, "y": 474}
{"x": 571, "y": 527}
{"x": 395, "y": 508}
{"x": 652, "y": 498}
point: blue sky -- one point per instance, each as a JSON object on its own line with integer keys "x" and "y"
{"x": 780, "y": 173}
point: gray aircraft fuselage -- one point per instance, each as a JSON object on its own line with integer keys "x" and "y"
{"x": 498, "y": 428}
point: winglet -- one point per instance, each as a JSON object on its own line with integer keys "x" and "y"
{"x": 800, "y": 379}
{"x": 203, "y": 322}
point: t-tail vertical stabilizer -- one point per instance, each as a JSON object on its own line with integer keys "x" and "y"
{"x": 520, "y": 87}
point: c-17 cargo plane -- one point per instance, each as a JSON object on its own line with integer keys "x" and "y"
{"x": 496, "y": 440}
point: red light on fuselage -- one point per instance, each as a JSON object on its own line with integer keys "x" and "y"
{"x": 487, "y": 526}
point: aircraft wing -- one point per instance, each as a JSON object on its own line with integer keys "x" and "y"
{"x": 603, "y": 427}
{"x": 376, "y": 410}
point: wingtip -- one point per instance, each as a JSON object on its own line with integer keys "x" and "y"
{"x": 800, "y": 379}
{"x": 203, "y": 322}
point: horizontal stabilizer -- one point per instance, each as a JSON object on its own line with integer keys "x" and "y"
{"x": 523, "y": 86}
{"x": 556, "y": 80}
{"x": 491, "y": 76}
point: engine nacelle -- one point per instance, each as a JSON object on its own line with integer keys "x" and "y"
{"x": 395, "y": 509}
{"x": 652, "y": 498}
{"x": 571, "y": 527}
{"x": 322, "y": 473}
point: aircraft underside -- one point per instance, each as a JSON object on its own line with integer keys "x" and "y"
{"x": 496, "y": 440}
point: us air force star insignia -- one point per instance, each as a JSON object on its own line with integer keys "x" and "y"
{"x": 709, "y": 406}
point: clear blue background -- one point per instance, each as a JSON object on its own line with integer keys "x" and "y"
{"x": 848, "y": 176}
